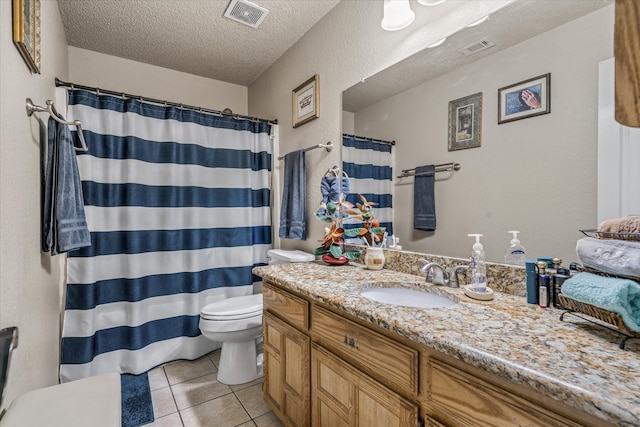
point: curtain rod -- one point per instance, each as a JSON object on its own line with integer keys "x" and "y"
{"x": 98, "y": 91}
{"x": 364, "y": 138}
{"x": 444, "y": 167}
{"x": 328, "y": 146}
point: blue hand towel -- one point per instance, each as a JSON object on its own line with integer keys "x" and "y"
{"x": 292, "y": 216}
{"x": 424, "y": 199}
{"x": 64, "y": 223}
{"x": 621, "y": 296}
{"x": 330, "y": 190}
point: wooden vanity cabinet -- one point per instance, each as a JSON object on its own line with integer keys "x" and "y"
{"x": 342, "y": 396}
{"x": 324, "y": 368}
{"x": 286, "y": 356}
{"x": 463, "y": 399}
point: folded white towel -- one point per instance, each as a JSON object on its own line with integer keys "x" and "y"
{"x": 617, "y": 257}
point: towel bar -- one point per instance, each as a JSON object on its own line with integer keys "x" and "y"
{"x": 32, "y": 108}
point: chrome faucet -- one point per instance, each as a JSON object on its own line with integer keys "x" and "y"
{"x": 438, "y": 275}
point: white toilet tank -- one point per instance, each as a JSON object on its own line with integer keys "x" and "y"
{"x": 280, "y": 256}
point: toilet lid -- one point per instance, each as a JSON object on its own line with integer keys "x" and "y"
{"x": 233, "y": 308}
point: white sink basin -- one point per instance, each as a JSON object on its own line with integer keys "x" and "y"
{"x": 407, "y": 297}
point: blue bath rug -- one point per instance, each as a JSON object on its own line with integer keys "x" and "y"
{"x": 137, "y": 408}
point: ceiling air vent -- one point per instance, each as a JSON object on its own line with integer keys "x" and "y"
{"x": 476, "y": 47}
{"x": 246, "y": 13}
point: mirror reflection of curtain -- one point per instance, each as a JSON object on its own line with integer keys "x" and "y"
{"x": 177, "y": 203}
{"x": 369, "y": 166}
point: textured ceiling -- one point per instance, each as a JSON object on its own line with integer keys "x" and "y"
{"x": 510, "y": 25}
{"x": 190, "y": 35}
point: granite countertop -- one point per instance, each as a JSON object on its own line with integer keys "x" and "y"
{"x": 573, "y": 361}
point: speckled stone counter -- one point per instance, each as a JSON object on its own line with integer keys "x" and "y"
{"x": 574, "y": 361}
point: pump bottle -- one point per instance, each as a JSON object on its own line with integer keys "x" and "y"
{"x": 479, "y": 273}
{"x": 515, "y": 253}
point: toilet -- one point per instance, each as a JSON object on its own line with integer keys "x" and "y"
{"x": 237, "y": 323}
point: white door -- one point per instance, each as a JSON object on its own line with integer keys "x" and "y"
{"x": 618, "y": 155}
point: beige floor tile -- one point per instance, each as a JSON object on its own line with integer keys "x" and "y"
{"x": 251, "y": 399}
{"x": 185, "y": 370}
{"x": 157, "y": 378}
{"x": 268, "y": 420}
{"x": 199, "y": 390}
{"x": 246, "y": 385}
{"x": 172, "y": 420}
{"x": 248, "y": 424}
{"x": 225, "y": 411}
{"x": 163, "y": 403}
{"x": 215, "y": 357}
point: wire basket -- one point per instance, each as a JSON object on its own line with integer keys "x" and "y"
{"x": 606, "y": 316}
{"x": 611, "y": 235}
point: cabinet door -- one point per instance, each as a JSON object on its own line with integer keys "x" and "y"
{"x": 343, "y": 396}
{"x": 465, "y": 400}
{"x": 625, "y": 48}
{"x": 286, "y": 377}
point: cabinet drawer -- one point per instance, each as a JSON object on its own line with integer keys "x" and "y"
{"x": 289, "y": 307}
{"x": 383, "y": 358}
{"x": 480, "y": 403}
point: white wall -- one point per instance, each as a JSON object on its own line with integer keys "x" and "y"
{"x": 345, "y": 46}
{"x": 123, "y": 75}
{"x": 536, "y": 175}
{"x": 30, "y": 282}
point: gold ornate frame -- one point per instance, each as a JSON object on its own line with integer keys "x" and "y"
{"x": 26, "y": 31}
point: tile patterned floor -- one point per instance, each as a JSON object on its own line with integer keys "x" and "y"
{"x": 187, "y": 394}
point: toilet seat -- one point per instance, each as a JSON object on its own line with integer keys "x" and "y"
{"x": 235, "y": 308}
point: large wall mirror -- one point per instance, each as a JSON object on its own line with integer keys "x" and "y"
{"x": 538, "y": 174}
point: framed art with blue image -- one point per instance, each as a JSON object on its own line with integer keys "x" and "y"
{"x": 525, "y": 99}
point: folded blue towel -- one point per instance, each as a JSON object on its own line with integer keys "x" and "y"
{"x": 293, "y": 213}
{"x": 64, "y": 226}
{"x": 330, "y": 190}
{"x": 621, "y": 296}
{"x": 424, "y": 199}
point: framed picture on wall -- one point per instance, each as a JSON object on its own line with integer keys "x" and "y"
{"x": 527, "y": 98}
{"x": 465, "y": 122}
{"x": 306, "y": 101}
{"x": 26, "y": 32}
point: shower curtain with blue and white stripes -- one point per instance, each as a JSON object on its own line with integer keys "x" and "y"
{"x": 177, "y": 203}
{"x": 369, "y": 165}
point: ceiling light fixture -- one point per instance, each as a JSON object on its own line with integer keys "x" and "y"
{"x": 437, "y": 43}
{"x": 431, "y": 2}
{"x": 479, "y": 21}
{"x": 397, "y": 15}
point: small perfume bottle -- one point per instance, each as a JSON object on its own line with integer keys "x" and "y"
{"x": 544, "y": 285}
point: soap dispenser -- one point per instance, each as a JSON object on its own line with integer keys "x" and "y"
{"x": 479, "y": 267}
{"x": 515, "y": 253}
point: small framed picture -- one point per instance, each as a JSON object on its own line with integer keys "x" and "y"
{"x": 306, "y": 101}
{"x": 528, "y": 98}
{"x": 465, "y": 122}
{"x": 26, "y": 32}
